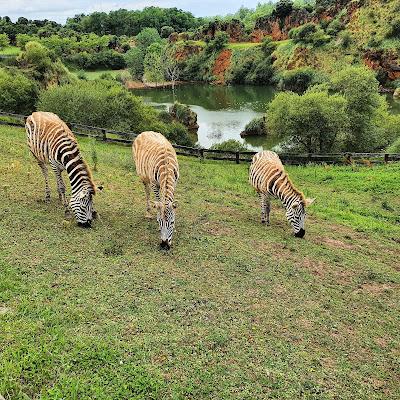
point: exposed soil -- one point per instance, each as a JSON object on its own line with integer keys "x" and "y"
{"x": 221, "y": 65}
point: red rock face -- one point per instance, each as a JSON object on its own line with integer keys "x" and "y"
{"x": 235, "y": 30}
{"x": 186, "y": 51}
{"x": 221, "y": 65}
{"x": 387, "y": 61}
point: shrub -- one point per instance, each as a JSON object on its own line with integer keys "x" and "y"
{"x": 18, "y": 94}
{"x": 283, "y": 8}
{"x": 309, "y": 33}
{"x": 230, "y": 145}
{"x": 257, "y": 126}
{"x": 4, "y": 40}
{"x": 394, "y": 29}
{"x": 99, "y": 103}
{"x": 314, "y": 122}
{"x": 81, "y": 74}
{"x": 177, "y": 133}
{"x": 183, "y": 114}
{"x": 251, "y": 66}
{"x": 299, "y": 80}
{"x": 217, "y": 44}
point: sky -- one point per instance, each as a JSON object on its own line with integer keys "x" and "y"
{"x": 60, "y": 10}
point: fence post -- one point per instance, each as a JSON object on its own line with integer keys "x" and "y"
{"x": 386, "y": 158}
{"x": 104, "y": 134}
{"x": 237, "y": 157}
{"x": 201, "y": 153}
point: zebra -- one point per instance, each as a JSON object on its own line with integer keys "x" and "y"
{"x": 267, "y": 175}
{"x": 157, "y": 167}
{"x": 52, "y": 142}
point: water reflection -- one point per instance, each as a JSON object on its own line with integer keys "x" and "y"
{"x": 222, "y": 111}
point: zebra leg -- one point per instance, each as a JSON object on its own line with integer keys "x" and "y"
{"x": 148, "y": 208}
{"x": 265, "y": 208}
{"x": 60, "y": 185}
{"x": 45, "y": 172}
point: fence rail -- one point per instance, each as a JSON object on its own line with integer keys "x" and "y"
{"x": 126, "y": 138}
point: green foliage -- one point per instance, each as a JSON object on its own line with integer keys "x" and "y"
{"x": 359, "y": 87}
{"x": 146, "y": 37}
{"x": 183, "y": 114}
{"x": 4, "y": 40}
{"x": 314, "y": 122}
{"x": 18, "y": 94}
{"x": 98, "y": 103}
{"x": 134, "y": 59}
{"x": 108, "y": 59}
{"x": 230, "y": 145}
{"x": 300, "y": 79}
{"x": 175, "y": 132}
{"x": 153, "y": 63}
{"x": 283, "y": 8}
{"x": 217, "y": 44}
{"x": 309, "y": 33}
{"x": 251, "y": 66}
{"x": 82, "y": 75}
{"x": 256, "y": 126}
{"x": 166, "y": 31}
{"x": 394, "y": 30}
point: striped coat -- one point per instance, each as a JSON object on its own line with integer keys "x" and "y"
{"x": 268, "y": 177}
{"x": 52, "y": 143}
{"x": 157, "y": 167}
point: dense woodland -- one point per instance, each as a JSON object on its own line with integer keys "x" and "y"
{"x": 329, "y": 59}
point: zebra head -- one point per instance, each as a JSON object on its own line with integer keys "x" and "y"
{"x": 296, "y": 215}
{"x": 166, "y": 221}
{"x": 81, "y": 204}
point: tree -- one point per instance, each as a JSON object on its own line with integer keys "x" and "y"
{"x": 359, "y": 87}
{"x": 283, "y": 8}
{"x": 314, "y": 122}
{"x": 18, "y": 94}
{"x": 166, "y": 31}
{"x": 4, "y": 40}
{"x": 134, "y": 59}
{"x": 153, "y": 63}
{"x": 147, "y": 37}
{"x": 172, "y": 70}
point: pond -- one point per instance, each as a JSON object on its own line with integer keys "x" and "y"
{"x": 223, "y": 111}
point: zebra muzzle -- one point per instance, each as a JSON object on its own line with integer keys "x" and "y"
{"x": 300, "y": 233}
{"x": 164, "y": 245}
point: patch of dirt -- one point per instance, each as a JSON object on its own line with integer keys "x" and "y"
{"x": 4, "y": 310}
{"x": 221, "y": 65}
{"x": 338, "y": 244}
{"x": 217, "y": 230}
{"x": 377, "y": 288}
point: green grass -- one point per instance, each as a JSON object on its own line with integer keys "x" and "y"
{"x": 93, "y": 75}
{"x": 242, "y": 46}
{"x": 235, "y": 310}
{"x": 10, "y": 51}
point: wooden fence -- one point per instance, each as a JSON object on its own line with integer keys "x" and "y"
{"x": 126, "y": 138}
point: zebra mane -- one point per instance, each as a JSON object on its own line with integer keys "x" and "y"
{"x": 294, "y": 189}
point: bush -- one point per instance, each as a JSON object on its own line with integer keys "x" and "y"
{"x": 283, "y": 8}
{"x": 251, "y": 66}
{"x": 107, "y": 104}
{"x": 81, "y": 74}
{"x": 230, "y": 145}
{"x": 309, "y": 33}
{"x": 4, "y": 40}
{"x": 18, "y": 94}
{"x": 98, "y": 103}
{"x": 299, "y": 80}
{"x": 394, "y": 30}
{"x": 217, "y": 44}
{"x": 257, "y": 127}
{"x": 314, "y": 122}
{"x": 108, "y": 59}
{"x": 183, "y": 114}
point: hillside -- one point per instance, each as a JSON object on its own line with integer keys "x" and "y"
{"x": 235, "y": 310}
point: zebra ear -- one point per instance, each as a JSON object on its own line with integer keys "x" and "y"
{"x": 156, "y": 204}
{"x": 174, "y": 204}
{"x": 309, "y": 202}
{"x": 295, "y": 205}
{"x": 100, "y": 188}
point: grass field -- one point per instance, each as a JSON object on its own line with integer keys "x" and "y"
{"x": 92, "y": 75}
{"x": 235, "y": 310}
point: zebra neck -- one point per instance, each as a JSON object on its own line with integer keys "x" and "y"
{"x": 77, "y": 170}
{"x": 290, "y": 198}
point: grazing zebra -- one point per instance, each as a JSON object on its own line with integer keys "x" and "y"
{"x": 157, "y": 167}
{"x": 268, "y": 177}
{"x": 52, "y": 142}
